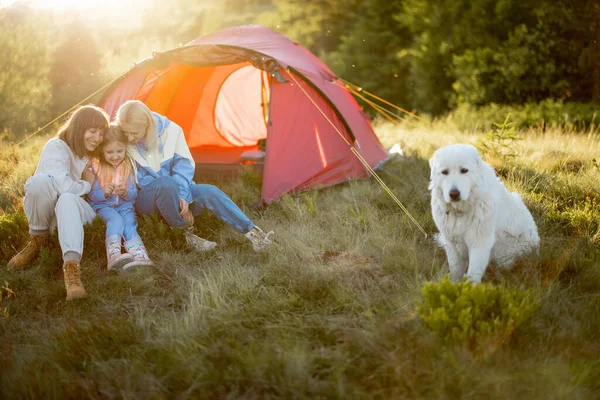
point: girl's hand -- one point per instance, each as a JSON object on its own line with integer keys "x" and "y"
{"x": 121, "y": 190}
{"x": 108, "y": 190}
{"x": 88, "y": 174}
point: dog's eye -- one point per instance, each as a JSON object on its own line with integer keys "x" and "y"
{"x": 464, "y": 170}
{"x": 444, "y": 172}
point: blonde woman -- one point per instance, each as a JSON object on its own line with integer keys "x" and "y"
{"x": 53, "y": 195}
{"x": 165, "y": 169}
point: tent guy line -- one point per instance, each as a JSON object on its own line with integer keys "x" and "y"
{"x": 352, "y": 148}
{"x": 227, "y": 92}
{"x": 70, "y": 109}
{"x": 362, "y": 160}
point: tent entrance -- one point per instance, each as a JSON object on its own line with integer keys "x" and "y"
{"x": 230, "y": 120}
{"x": 223, "y": 111}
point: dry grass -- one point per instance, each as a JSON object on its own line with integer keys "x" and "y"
{"x": 329, "y": 312}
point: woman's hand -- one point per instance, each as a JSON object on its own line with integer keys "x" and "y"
{"x": 184, "y": 207}
{"x": 188, "y": 217}
{"x": 88, "y": 174}
{"x": 184, "y": 211}
{"x": 108, "y": 190}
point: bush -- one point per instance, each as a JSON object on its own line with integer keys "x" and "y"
{"x": 14, "y": 231}
{"x": 499, "y": 142}
{"x": 477, "y": 316}
{"x": 547, "y": 113}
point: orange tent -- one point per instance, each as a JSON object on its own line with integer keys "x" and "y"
{"x": 235, "y": 89}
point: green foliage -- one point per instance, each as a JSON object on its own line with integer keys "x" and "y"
{"x": 155, "y": 232}
{"x": 507, "y": 52}
{"x": 299, "y": 206}
{"x": 499, "y": 142}
{"x": 471, "y": 314}
{"x": 24, "y": 85}
{"x": 522, "y": 70}
{"x": 75, "y": 70}
{"x": 247, "y": 188}
{"x": 582, "y": 218}
{"x": 545, "y": 114}
{"x": 328, "y": 311}
{"x": 50, "y": 260}
{"x": 316, "y": 24}
{"x": 14, "y": 231}
{"x": 368, "y": 54}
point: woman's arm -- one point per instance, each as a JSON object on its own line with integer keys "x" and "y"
{"x": 183, "y": 166}
{"x": 55, "y": 162}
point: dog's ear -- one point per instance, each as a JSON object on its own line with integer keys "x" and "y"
{"x": 432, "y": 162}
{"x": 433, "y": 168}
{"x": 432, "y": 165}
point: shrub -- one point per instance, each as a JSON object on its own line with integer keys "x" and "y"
{"x": 499, "y": 142}
{"x": 477, "y": 316}
{"x": 14, "y": 231}
{"x": 569, "y": 116}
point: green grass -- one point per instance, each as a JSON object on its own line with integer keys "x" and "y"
{"x": 332, "y": 310}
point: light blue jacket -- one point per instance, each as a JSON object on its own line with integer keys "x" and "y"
{"x": 175, "y": 158}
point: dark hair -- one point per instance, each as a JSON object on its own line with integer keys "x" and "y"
{"x": 82, "y": 119}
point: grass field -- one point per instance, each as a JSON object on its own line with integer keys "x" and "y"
{"x": 335, "y": 309}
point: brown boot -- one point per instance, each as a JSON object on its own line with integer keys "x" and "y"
{"x": 28, "y": 254}
{"x": 75, "y": 289}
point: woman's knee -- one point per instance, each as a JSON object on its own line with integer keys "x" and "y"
{"x": 167, "y": 186}
{"x": 205, "y": 192}
{"x": 38, "y": 185}
{"x": 67, "y": 202}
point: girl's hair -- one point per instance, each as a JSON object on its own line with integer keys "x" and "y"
{"x": 135, "y": 116}
{"x": 106, "y": 172}
{"x": 84, "y": 118}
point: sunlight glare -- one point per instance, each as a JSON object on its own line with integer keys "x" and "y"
{"x": 65, "y": 5}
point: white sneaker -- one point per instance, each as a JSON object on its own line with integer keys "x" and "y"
{"x": 260, "y": 240}
{"x": 197, "y": 243}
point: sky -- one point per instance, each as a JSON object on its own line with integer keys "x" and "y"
{"x": 67, "y": 4}
{"x": 100, "y": 8}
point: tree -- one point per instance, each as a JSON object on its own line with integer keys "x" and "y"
{"x": 371, "y": 50}
{"x": 24, "y": 86}
{"x": 75, "y": 71}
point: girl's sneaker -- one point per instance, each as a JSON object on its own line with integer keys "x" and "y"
{"x": 136, "y": 248}
{"x": 116, "y": 260}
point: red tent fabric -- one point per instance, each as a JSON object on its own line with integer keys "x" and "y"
{"x": 234, "y": 87}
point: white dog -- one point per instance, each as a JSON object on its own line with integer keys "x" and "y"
{"x": 478, "y": 218}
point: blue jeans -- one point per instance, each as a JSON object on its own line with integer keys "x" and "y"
{"x": 162, "y": 195}
{"x": 122, "y": 222}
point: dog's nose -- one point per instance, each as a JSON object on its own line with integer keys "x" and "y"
{"x": 454, "y": 194}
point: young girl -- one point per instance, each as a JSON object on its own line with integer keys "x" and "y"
{"x": 113, "y": 196}
{"x": 165, "y": 169}
{"x": 53, "y": 194}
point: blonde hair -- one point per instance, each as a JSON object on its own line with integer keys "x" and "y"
{"x": 106, "y": 171}
{"x": 73, "y": 131}
{"x": 135, "y": 116}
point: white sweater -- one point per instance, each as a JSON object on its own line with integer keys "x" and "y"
{"x": 65, "y": 167}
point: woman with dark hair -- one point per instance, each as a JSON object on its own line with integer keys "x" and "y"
{"x": 165, "y": 169}
{"x": 53, "y": 195}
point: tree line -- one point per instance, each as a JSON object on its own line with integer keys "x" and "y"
{"x": 427, "y": 55}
